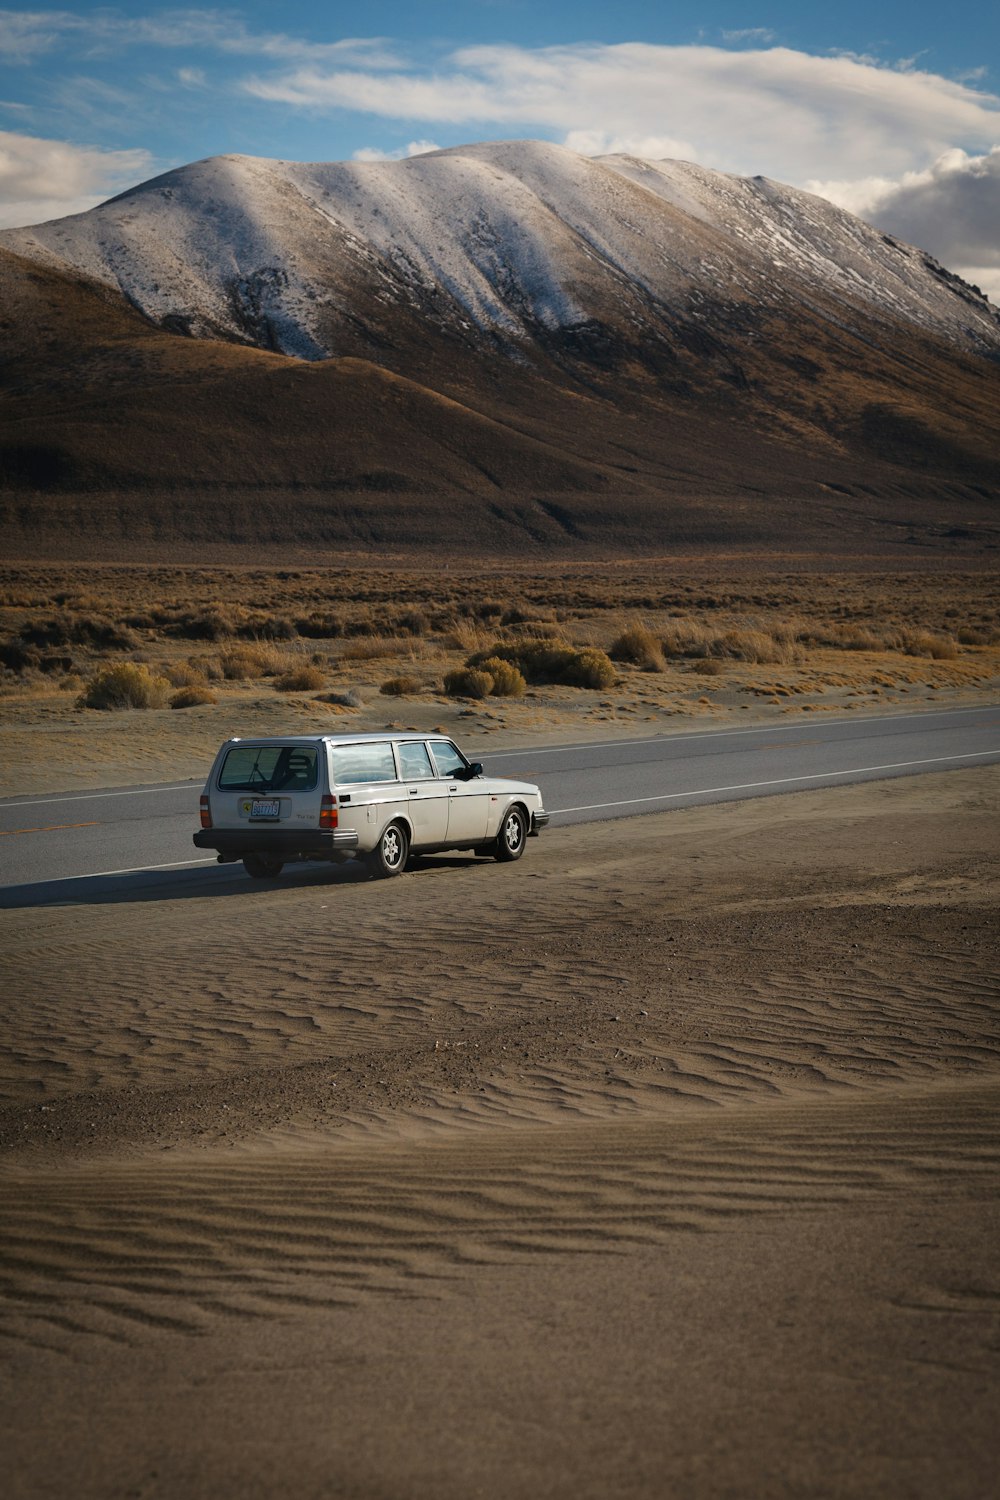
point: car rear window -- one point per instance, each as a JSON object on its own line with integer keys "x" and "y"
{"x": 269, "y": 768}
{"x": 369, "y": 762}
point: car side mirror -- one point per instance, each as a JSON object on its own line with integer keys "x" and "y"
{"x": 475, "y": 769}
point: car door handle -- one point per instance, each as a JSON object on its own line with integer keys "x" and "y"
{"x": 414, "y": 791}
{"x": 453, "y": 789}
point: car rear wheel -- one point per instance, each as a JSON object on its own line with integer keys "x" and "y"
{"x": 390, "y": 853}
{"x": 263, "y": 866}
{"x": 513, "y": 832}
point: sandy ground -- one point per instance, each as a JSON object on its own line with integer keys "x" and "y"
{"x": 665, "y": 1162}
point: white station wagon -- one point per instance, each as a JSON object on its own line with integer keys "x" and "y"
{"x": 377, "y": 797}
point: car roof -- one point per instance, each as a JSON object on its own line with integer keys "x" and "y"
{"x": 337, "y": 739}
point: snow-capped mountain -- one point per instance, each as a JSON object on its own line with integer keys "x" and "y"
{"x": 513, "y": 243}
{"x": 495, "y": 348}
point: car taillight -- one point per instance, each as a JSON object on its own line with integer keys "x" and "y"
{"x": 328, "y": 812}
{"x": 206, "y": 812}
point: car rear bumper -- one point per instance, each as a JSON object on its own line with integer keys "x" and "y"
{"x": 278, "y": 840}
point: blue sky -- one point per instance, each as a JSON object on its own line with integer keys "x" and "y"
{"x": 891, "y": 109}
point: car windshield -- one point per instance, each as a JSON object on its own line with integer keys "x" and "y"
{"x": 269, "y": 768}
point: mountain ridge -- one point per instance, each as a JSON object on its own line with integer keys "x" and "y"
{"x": 648, "y": 339}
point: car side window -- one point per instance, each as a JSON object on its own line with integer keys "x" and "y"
{"x": 414, "y": 762}
{"x": 353, "y": 764}
{"x": 449, "y": 760}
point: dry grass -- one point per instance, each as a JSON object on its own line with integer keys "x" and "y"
{"x": 375, "y": 647}
{"x": 400, "y": 687}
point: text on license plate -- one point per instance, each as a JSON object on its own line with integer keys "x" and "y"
{"x": 262, "y": 809}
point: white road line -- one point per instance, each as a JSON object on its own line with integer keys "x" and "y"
{"x": 725, "y": 734}
{"x": 749, "y": 786}
{"x": 139, "y": 791}
{"x": 178, "y": 864}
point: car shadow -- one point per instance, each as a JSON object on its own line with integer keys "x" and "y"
{"x": 218, "y": 882}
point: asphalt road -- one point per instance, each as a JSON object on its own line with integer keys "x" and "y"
{"x": 135, "y": 842}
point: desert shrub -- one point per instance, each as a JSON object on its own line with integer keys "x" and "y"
{"x": 320, "y": 625}
{"x": 192, "y": 697}
{"x": 126, "y": 684}
{"x": 399, "y": 687}
{"x": 246, "y": 663}
{"x": 639, "y": 645}
{"x": 749, "y": 645}
{"x": 539, "y": 660}
{"x": 412, "y": 622}
{"x": 17, "y": 657}
{"x": 851, "y": 637}
{"x": 343, "y": 697}
{"x": 534, "y": 616}
{"x": 465, "y": 635}
{"x": 184, "y": 674}
{"x": 79, "y": 630}
{"x": 707, "y": 666}
{"x": 54, "y": 664}
{"x": 926, "y": 643}
{"x": 212, "y": 623}
{"x": 364, "y": 625}
{"x": 589, "y": 668}
{"x": 305, "y": 679}
{"x": 967, "y": 636}
{"x": 551, "y": 660}
{"x": 508, "y": 681}
{"x": 467, "y": 682}
{"x": 264, "y": 627}
{"x": 687, "y": 638}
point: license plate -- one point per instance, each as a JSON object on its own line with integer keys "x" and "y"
{"x": 260, "y": 809}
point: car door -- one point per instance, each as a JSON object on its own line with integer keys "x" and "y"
{"x": 426, "y": 794}
{"x": 468, "y": 800}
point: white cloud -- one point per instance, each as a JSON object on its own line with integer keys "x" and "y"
{"x": 192, "y": 78}
{"x": 951, "y": 208}
{"x": 750, "y": 34}
{"x": 782, "y": 113}
{"x": 414, "y": 148}
{"x": 41, "y": 179}
{"x": 26, "y": 35}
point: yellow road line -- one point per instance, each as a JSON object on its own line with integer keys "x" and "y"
{"x": 9, "y": 833}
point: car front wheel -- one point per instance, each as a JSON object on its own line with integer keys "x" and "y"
{"x": 513, "y": 832}
{"x": 263, "y": 866}
{"x": 390, "y": 853}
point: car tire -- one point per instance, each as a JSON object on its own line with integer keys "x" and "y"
{"x": 512, "y": 836}
{"x": 263, "y": 866}
{"x": 390, "y": 853}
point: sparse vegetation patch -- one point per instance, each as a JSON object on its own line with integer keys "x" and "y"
{"x": 125, "y": 685}
{"x": 306, "y": 679}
